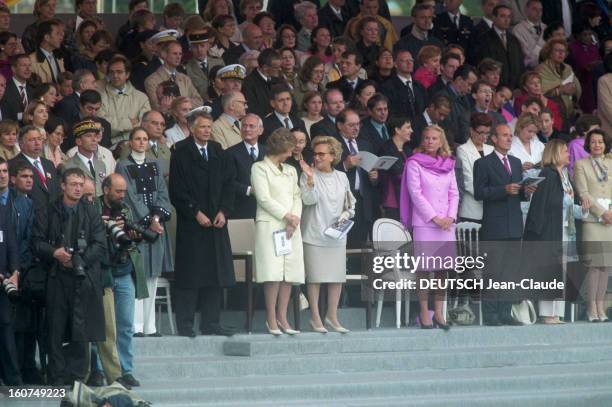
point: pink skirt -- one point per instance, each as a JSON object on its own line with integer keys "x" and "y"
{"x": 435, "y": 245}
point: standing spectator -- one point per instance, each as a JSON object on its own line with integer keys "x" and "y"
{"x": 8, "y": 48}
{"x": 171, "y": 54}
{"x": 556, "y": 77}
{"x": 530, "y": 32}
{"x": 201, "y": 190}
{"x": 431, "y": 212}
{"x": 306, "y": 15}
{"x": 334, "y": 16}
{"x": 452, "y": 27}
{"x": 122, "y": 105}
{"x": 154, "y": 124}
{"x": 46, "y": 60}
{"x": 374, "y": 126}
{"x": 383, "y": 66}
{"x": 502, "y": 46}
{"x": 301, "y": 152}
{"x": 407, "y": 98}
{"x": 44, "y": 10}
{"x": 147, "y": 197}
{"x": 474, "y": 148}
{"x": 18, "y": 91}
{"x": 67, "y": 109}
{"x": 397, "y": 146}
{"x": 243, "y": 156}
{"x": 327, "y": 198}
{"x": 551, "y": 219}
{"x": 333, "y": 103}
{"x": 585, "y": 56}
{"x": 458, "y": 92}
{"x": 54, "y": 129}
{"x": 582, "y": 127}
{"x": 180, "y": 131}
{"x": 313, "y": 106}
{"x": 429, "y": 65}
{"x": 278, "y": 207}
{"x": 595, "y": 185}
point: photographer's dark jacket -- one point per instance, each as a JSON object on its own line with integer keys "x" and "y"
{"x": 9, "y": 251}
{"x": 22, "y": 214}
{"x": 108, "y": 264}
{"x": 47, "y": 236}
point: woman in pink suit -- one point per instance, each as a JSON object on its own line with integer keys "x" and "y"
{"x": 428, "y": 205}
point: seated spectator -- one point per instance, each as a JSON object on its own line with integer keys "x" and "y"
{"x": 382, "y": 69}
{"x": 172, "y": 17}
{"x": 585, "y": 55}
{"x": 489, "y": 70}
{"x": 44, "y": 10}
{"x": 200, "y": 63}
{"x": 46, "y": 93}
{"x": 265, "y": 21}
{"x": 604, "y": 96}
{"x": 248, "y": 10}
{"x": 180, "y": 131}
{"x": 387, "y": 35}
{"x": 281, "y": 116}
{"x": 133, "y": 7}
{"x": 253, "y": 40}
{"x": 288, "y": 67}
{"x": 100, "y": 41}
{"x": 583, "y": 126}
{"x": 482, "y": 94}
{"x": 225, "y": 30}
{"x": 419, "y": 35}
{"x": 554, "y": 72}
{"x": 226, "y": 129}
{"x": 429, "y": 65}
{"x": 46, "y": 60}
{"x": 312, "y": 104}
{"x": 501, "y": 97}
{"x": 310, "y": 79}
{"x": 171, "y": 54}
{"x": 9, "y": 45}
{"x": 8, "y": 139}
{"x": 306, "y": 15}
{"x": 18, "y": 91}
{"x": 448, "y": 65}
{"x": 89, "y": 105}
{"x": 36, "y": 114}
{"x": 374, "y": 124}
{"x": 397, "y": 146}
{"x": 64, "y": 86}
{"x": 547, "y": 129}
{"x": 142, "y": 20}
{"x": 68, "y": 108}
{"x": 530, "y": 33}
{"x": 122, "y": 105}
{"x": 368, "y": 40}
{"x": 215, "y": 8}
{"x": 531, "y": 86}
{"x": 452, "y": 27}
{"x": 321, "y": 44}
{"x": 363, "y": 92}
{"x": 335, "y": 16}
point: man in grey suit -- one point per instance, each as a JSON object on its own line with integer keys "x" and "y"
{"x": 153, "y": 122}
{"x": 200, "y": 63}
{"x": 86, "y": 137}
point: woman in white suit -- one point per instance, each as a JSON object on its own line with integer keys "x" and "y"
{"x": 467, "y": 154}
{"x": 279, "y": 207}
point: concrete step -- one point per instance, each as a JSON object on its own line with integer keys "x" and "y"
{"x": 156, "y": 368}
{"x": 279, "y": 389}
{"x": 177, "y": 345}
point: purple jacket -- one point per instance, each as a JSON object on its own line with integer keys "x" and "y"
{"x": 576, "y": 152}
{"x": 427, "y": 194}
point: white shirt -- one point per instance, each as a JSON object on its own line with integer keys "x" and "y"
{"x": 427, "y": 118}
{"x": 249, "y": 147}
{"x": 86, "y": 160}
{"x": 174, "y": 134}
{"x": 487, "y": 21}
{"x": 452, "y": 18}
{"x": 406, "y": 80}
{"x": 567, "y": 16}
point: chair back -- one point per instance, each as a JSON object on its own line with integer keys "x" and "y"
{"x": 242, "y": 239}
{"x": 468, "y": 238}
{"x": 388, "y": 235}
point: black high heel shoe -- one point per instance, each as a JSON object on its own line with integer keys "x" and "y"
{"x": 440, "y": 325}
{"x": 423, "y": 326}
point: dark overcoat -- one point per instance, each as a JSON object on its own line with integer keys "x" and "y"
{"x": 203, "y": 255}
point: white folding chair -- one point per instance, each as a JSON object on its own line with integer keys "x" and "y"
{"x": 468, "y": 244}
{"x": 164, "y": 298}
{"x": 242, "y": 239}
{"x": 388, "y": 236}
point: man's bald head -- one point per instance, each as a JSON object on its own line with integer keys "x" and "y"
{"x": 114, "y": 188}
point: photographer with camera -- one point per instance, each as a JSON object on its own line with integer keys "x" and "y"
{"x": 68, "y": 239}
{"x": 9, "y": 265}
{"x": 124, "y": 260}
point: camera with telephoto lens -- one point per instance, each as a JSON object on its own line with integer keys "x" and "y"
{"x": 78, "y": 263}
{"x": 119, "y": 234}
{"x": 10, "y": 288}
{"x": 147, "y": 234}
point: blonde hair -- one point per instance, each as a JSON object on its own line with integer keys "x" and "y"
{"x": 524, "y": 120}
{"x": 552, "y": 152}
{"x": 444, "y": 149}
{"x": 335, "y": 148}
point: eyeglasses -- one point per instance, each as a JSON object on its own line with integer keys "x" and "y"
{"x": 320, "y": 154}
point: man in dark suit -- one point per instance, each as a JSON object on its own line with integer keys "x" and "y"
{"x": 243, "y": 156}
{"x": 333, "y": 102}
{"x": 89, "y": 105}
{"x": 281, "y": 116}
{"x": 458, "y": 93}
{"x": 350, "y": 64}
{"x": 257, "y": 85}
{"x": 18, "y": 92}
{"x": 480, "y": 29}
{"x": 374, "y": 127}
{"x": 68, "y": 108}
{"x": 46, "y": 179}
{"x": 407, "y": 97}
{"x": 334, "y": 16}
{"x": 448, "y": 65}
{"x": 420, "y": 33}
{"x": 252, "y": 40}
{"x": 496, "y": 184}
{"x": 436, "y": 113}
{"x": 452, "y": 27}
{"x": 553, "y": 12}
{"x": 361, "y": 182}
{"x": 502, "y": 46}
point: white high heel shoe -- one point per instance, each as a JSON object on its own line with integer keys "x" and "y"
{"x": 337, "y": 328}
{"x": 319, "y": 329}
{"x": 275, "y": 332}
{"x": 288, "y": 331}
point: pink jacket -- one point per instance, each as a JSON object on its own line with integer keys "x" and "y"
{"x": 431, "y": 194}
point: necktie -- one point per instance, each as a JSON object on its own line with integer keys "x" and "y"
{"x": 507, "y": 165}
{"x": 502, "y": 35}
{"x": 24, "y": 96}
{"x": 173, "y": 76}
{"x": 253, "y": 154}
{"x": 237, "y": 124}
{"x": 92, "y": 170}
{"x": 286, "y": 122}
{"x": 352, "y": 83}
{"x": 352, "y": 148}
{"x": 538, "y": 29}
{"x": 54, "y": 70}
{"x": 410, "y": 92}
{"x": 41, "y": 174}
{"x": 154, "y": 149}
{"x": 204, "y": 154}
{"x": 120, "y": 92}
{"x": 3, "y": 200}
{"x": 385, "y": 134}
{"x": 204, "y": 66}
{"x": 456, "y": 21}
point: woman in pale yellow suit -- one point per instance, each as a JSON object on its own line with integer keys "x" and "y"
{"x": 593, "y": 178}
{"x": 279, "y": 207}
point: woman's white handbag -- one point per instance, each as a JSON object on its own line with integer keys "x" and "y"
{"x": 524, "y": 312}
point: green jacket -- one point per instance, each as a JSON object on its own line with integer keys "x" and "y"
{"x": 140, "y": 280}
